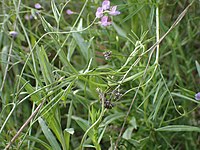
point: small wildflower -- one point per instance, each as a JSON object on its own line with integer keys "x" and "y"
{"x": 69, "y": 12}
{"x": 106, "y": 4}
{"x": 107, "y": 55}
{"x": 38, "y": 6}
{"x": 28, "y": 17}
{"x": 99, "y": 12}
{"x": 13, "y": 34}
{"x": 108, "y": 11}
{"x": 113, "y": 11}
{"x": 105, "y": 22}
{"x": 197, "y": 96}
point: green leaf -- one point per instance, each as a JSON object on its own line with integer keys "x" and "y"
{"x": 67, "y": 133}
{"x": 111, "y": 118}
{"x": 70, "y": 130}
{"x": 83, "y": 45}
{"x": 119, "y": 30}
{"x": 69, "y": 118}
{"x": 179, "y": 128}
{"x": 101, "y": 135}
{"x": 55, "y": 11}
{"x": 4, "y": 58}
{"x": 49, "y": 135}
{"x": 131, "y": 14}
{"x": 47, "y": 26}
{"x": 71, "y": 49}
{"x": 80, "y": 25}
{"x": 184, "y": 97}
{"x": 54, "y": 117}
{"x": 84, "y": 124}
{"x": 65, "y": 62}
{"x": 128, "y": 132}
{"x": 35, "y": 139}
{"x": 198, "y": 67}
{"x": 158, "y": 105}
{"x": 54, "y": 125}
{"x": 133, "y": 122}
{"x": 45, "y": 66}
{"x": 30, "y": 89}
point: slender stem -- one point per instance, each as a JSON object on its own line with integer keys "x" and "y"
{"x": 14, "y": 106}
{"x": 58, "y": 23}
{"x": 71, "y": 29}
{"x": 151, "y": 49}
{"x": 92, "y": 126}
{"x": 10, "y": 50}
{"x": 157, "y": 32}
{"x": 176, "y": 22}
{"x": 24, "y": 125}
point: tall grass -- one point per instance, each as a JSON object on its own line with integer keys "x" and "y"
{"x": 67, "y": 82}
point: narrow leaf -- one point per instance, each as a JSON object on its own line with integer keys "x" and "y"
{"x": 49, "y": 135}
{"x": 119, "y": 30}
{"x": 55, "y": 11}
{"x": 198, "y": 67}
{"x": 45, "y": 65}
{"x": 179, "y": 128}
{"x": 34, "y": 97}
{"x": 83, "y": 45}
{"x": 4, "y": 57}
{"x": 37, "y": 140}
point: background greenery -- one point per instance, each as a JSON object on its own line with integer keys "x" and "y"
{"x": 54, "y": 66}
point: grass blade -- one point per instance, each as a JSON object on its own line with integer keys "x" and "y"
{"x": 49, "y": 135}
{"x": 179, "y": 128}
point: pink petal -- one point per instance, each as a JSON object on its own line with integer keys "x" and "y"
{"x": 106, "y": 4}
{"x": 113, "y": 11}
{"x": 104, "y": 21}
{"x": 69, "y": 12}
{"x": 99, "y": 12}
{"x": 38, "y": 6}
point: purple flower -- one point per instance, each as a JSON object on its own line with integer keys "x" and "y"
{"x": 197, "y": 96}
{"x": 69, "y": 12}
{"x": 109, "y": 11}
{"x": 106, "y": 4}
{"x": 38, "y": 6}
{"x": 113, "y": 11}
{"x": 104, "y": 21}
{"x": 99, "y": 12}
{"x": 13, "y": 34}
{"x": 28, "y": 17}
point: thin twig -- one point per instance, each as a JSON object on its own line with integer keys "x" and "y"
{"x": 152, "y": 49}
{"x": 24, "y": 125}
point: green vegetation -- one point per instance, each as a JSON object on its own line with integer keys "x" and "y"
{"x": 70, "y": 82}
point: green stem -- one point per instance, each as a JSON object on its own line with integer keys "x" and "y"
{"x": 92, "y": 126}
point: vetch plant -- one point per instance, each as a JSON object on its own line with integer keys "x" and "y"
{"x": 105, "y": 11}
{"x": 114, "y": 11}
{"x": 99, "y": 12}
{"x": 38, "y": 6}
{"x": 28, "y": 17}
{"x": 105, "y": 21}
{"x": 106, "y": 4}
{"x": 81, "y": 87}
{"x": 69, "y": 12}
{"x": 197, "y": 96}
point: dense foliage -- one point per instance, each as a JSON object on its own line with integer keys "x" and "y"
{"x": 86, "y": 75}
